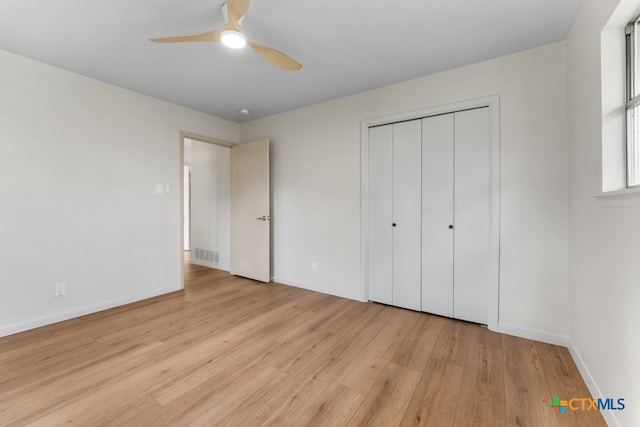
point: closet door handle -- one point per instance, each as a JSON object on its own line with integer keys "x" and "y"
{"x": 450, "y": 227}
{"x": 394, "y": 224}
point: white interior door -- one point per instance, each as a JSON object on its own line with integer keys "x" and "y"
{"x": 472, "y": 200}
{"x": 407, "y": 195}
{"x": 437, "y": 214}
{"x": 380, "y": 214}
{"x": 250, "y": 211}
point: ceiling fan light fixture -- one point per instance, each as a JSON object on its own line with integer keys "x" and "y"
{"x": 231, "y": 36}
{"x": 233, "y": 39}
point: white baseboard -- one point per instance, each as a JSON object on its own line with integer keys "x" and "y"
{"x": 324, "y": 290}
{"x": 533, "y": 334}
{"x": 210, "y": 264}
{"x": 71, "y": 314}
{"x": 608, "y": 416}
{"x": 564, "y": 341}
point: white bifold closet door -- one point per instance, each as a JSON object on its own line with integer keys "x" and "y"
{"x": 380, "y": 214}
{"x": 406, "y": 214}
{"x": 437, "y": 214}
{"x": 429, "y": 214}
{"x": 456, "y": 195}
{"x": 472, "y": 213}
{"x": 394, "y": 214}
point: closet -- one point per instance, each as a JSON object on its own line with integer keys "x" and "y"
{"x": 429, "y": 214}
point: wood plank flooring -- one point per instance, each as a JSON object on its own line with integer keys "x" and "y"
{"x": 232, "y": 352}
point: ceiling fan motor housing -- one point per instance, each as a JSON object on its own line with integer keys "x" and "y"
{"x": 225, "y": 14}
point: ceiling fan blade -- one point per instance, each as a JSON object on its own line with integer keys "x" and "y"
{"x": 276, "y": 57}
{"x": 212, "y": 36}
{"x": 236, "y": 10}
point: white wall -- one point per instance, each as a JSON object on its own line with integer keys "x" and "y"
{"x": 604, "y": 234}
{"x": 316, "y": 182}
{"x": 210, "y": 202}
{"x": 80, "y": 161}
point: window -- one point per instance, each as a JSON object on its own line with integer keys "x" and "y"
{"x": 632, "y": 102}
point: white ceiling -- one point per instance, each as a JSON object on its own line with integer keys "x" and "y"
{"x": 346, "y": 46}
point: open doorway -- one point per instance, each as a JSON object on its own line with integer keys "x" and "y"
{"x": 186, "y": 191}
{"x": 186, "y": 209}
{"x": 205, "y": 202}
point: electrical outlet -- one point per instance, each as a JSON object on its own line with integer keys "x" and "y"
{"x": 61, "y": 289}
{"x": 347, "y": 275}
{"x": 314, "y": 267}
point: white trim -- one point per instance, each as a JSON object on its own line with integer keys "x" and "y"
{"x": 633, "y": 192}
{"x": 563, "y": 341}
{"x": 204, "y": 138}
{"x": 533, "y": 334}
{"x": 608, "y": 416}
{"x": 209, "y": 264}
{"x": 322, "y": 289}
{"x": 181, "y": 207}
{"x": 60, "y": 317}
{"x": 624, "y": 198}
{"x": 493, "y": 103}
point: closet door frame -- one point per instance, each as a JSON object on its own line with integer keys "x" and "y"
{"x": 493, "y": 103}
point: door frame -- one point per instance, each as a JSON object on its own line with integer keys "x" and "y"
{"x": 196, "y": 137}
{"x": 186, "y": 215}
{"x": 493, "y": 103}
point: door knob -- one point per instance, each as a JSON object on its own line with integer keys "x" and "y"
{"x": 450, "y": 227}
{"x": 394, "y": 224}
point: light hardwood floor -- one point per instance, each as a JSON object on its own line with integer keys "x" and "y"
{"x": 229, "y": 351}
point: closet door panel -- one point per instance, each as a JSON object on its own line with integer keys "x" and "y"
{"x": 407, "y": 195}
{"x": 437, "y": 215}
{"x": 472, "y": 215}
{"x": 380, "y": 214}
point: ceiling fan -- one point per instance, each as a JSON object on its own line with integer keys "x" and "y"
{"x": 231, "y": 36}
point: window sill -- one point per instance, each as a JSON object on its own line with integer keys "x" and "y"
{"x": 625, "y": 198}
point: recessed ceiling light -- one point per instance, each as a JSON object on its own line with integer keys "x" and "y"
{"x": 233, "y": 39}
{"x": 244, "y": 112}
